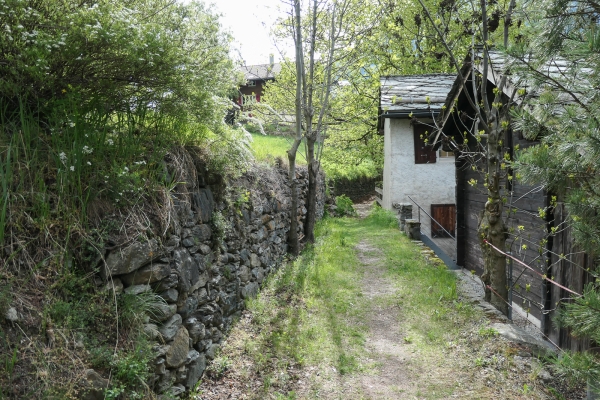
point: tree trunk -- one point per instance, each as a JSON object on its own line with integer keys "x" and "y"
{"x": 311, "y": 198}
{"x": 293, "y": 233}
{"x": 492, "y": 228}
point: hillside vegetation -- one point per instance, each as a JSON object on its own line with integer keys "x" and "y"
{"x": 93, "y": 98}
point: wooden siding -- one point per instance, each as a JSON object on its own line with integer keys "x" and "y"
{"x": 570, "y": 271}
{"x": 527, "y": 244}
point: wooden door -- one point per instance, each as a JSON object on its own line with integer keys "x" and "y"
{"x": 445, "y": 215}
{"x": 424, "y": 154}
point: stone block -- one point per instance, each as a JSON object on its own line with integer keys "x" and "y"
{"x": 203, "y": 296}
{"x": 151, "y": 331}
{"x": 189, "y": 269}
{"x": 244, "y": 273}
{"x": 201, "y": 233}
{"x": 254, "y": 261}
{"x": 518, "y": 335}
{"x": 148, "y": 274}
{"x": 196, "y": 329}
{"x": 176, "y": 390}
{"x": 169, "y": 282}
{"x": 188, "y": 242}
{"x": 211, "y": 350}
{"x": 188, "y": 307}
{"x": 165, "y": 382}
{"x": 170, "y": 295}
{"x": 177, "y": 352}
{"x": 137, "y": 289}
{"x": 204, "y": 249}
{"x": 250, "y": 290}
{"x": 170, "y": 328}
{"x": 203, "y": 204}
{"x": 93, "y": 385}
{"x": 413, "y": 229}
{"x": 195, "y": 370}
{"x": 164, "y": 312}
{"x": 159, "y": 366}
{"x": 258, "y": 274}
{"x": 130, "y": 258}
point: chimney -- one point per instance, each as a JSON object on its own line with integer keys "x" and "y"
{"x": 271, "y": 59}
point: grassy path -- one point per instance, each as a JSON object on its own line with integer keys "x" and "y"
{"x": 363, "y": 315}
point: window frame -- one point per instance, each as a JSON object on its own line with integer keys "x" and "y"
{"x": 423, "y": 154}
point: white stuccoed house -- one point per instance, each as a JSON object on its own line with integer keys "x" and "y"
{"x": 413, "y": 172}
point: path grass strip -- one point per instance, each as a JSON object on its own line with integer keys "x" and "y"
{"x": 311, "y": 319}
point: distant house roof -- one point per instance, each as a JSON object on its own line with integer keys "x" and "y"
{"x": 420, "y": 95}
{"x": 263, "y": 72}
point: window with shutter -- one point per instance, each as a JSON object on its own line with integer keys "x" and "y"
{"x": 423, "y": 154}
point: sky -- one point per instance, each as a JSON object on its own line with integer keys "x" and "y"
{"x": 250, "y": 21}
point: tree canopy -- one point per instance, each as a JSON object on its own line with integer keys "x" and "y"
{"x": 161, "y": 53}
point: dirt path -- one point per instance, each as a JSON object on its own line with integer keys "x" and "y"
{"x": 394, "y": 372}
{"x": 385, "y": 342}
{"x": 390, "y": 372}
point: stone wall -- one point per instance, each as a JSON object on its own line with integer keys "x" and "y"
{"x": 222, "y": 240}
{"x": 357, "y": 189}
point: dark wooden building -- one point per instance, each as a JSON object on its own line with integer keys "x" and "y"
{"x": 530, "y": 212}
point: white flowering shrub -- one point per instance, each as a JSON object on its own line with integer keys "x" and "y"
{"x": 158, "y": 53}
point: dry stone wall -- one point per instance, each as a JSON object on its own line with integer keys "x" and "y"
{"x": 222, "y": 240}
{"x": 357, "y": 189}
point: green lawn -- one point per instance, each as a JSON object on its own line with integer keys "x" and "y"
{"x": 268, "y": 148}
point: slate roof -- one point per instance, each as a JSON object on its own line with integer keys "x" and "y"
{"x": 261, "y": 72}
{"x": 518, "y": 76}
{"x": 403, "y": 94}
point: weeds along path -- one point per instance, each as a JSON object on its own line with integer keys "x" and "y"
{"x": 363, "y": 315}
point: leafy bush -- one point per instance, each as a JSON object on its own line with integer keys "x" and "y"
{"x": 382, "y": 217}
{"x": 344, "y": 206}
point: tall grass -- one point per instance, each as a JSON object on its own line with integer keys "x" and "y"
{"x": 72, "y": 175}
{"x": 54, "y": 165}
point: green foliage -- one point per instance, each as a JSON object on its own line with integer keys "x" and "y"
{"x": 90, "y": 110}
{"x": 344, "y": 206}
{"x": 131, "y": 371}
{"x": 218, "y": 367}
{"x": 487, "y": 331}
{"x": 220, "y": 225}
{"x": 382, "y": 217}
{"x": 136, "y": 309}
{"x": 564, "y": 118}
{"x": 145, "y": 51}
{"x": 309, "y": 318}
